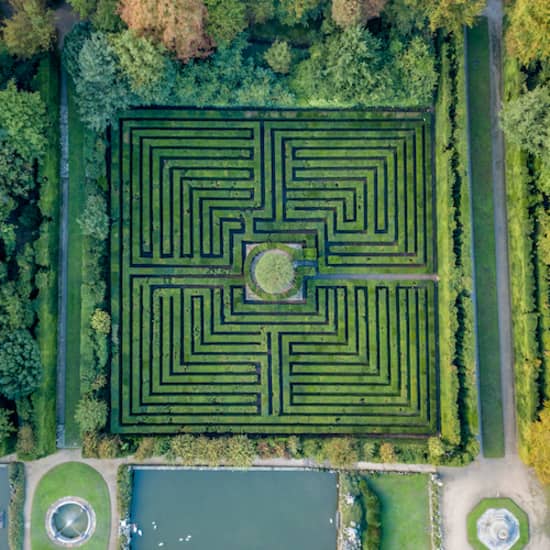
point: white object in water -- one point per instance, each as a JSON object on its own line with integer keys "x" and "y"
{"x": 331, "y": 521}
{"x": 155, "y": 526}
{"x": 161, "y": 543}
{"x": 140, "y": 532}
{"x": 180, "y": 539}
{"x": 187, "y": 538}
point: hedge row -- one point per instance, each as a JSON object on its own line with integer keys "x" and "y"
{"x": 459, "y": 421}
{"x": 529, "y": 274}
{"x": 16, "y": 522}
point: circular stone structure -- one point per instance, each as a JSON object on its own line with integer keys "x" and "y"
{"x": 498, "y": 524}
{"x": 271, "y": 271}
{"x": 70, "y": 522}
{"x": 498, "y": 529}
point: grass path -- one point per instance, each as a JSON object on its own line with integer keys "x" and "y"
{"x": 479, "y": 109}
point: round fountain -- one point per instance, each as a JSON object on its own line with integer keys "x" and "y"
{"x": 498, "y": 529}
{"x": 70, "y": 522}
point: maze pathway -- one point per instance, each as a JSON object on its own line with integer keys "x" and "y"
{"x": 193, "y": 192}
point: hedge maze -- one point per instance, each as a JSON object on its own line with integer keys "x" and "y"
{"x": 351, "y": 193}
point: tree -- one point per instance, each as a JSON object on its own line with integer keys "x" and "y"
{"x": 436, "y": 450}
{"x": 144, "y": 65}
{"x": 539, "y": 445}
{"x": 106, "y": 18}
{"x": 16, "y": 173}
{"x": 91, "y": 414}
{"x": 98, "y": 74}
{"x": 415, "y": 75}
{"x": 340, "y": 451}
{"x": 349, "y": 13}
{"x": 226, "y": 19}
{"x": 24, "y": 122}
{"x": 528, "y": 30}
{"x": 291, "y": 12}
{"x": 179, "y": 24}
{"x": 84, "y": 8}
{"x": 230, "y": 78}
{"x": 6, "y": 426}
{"x": 526, "y": 121}
{"x": 101, "y": 321}
{"x": 31, "y": 28}
{"x": 94, "y": 221}
{"x": 260, "y": 11}
{"x": 279, "y": 56}
{"x": 441, "y": 14}
{"x": 20, "y": 365}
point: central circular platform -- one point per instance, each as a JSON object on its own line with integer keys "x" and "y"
{"x": 272, "y": 272}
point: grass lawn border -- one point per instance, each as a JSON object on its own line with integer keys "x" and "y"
{"x": 71, "y": 479}
{"x": 485, "y": 504}
{"x": 479, "y": 121}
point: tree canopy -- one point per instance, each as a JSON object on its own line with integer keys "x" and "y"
{"x": 20, "y": 366}
{"x": 527, "y": 36}
{"x": 539, "y": 445}
{"x": 178, "y": 24}
{"x": 30, "y": 30}
{"x": 226, "y": 19}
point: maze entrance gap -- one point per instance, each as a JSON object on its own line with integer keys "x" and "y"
{"x": 193, "y": 191}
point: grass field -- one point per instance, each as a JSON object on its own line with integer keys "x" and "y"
{"x": 405, "y": 515}
{"x": 71, "y": 479}
{"x": 484, "y": 240}
{"x": 510, "y": 505}
{"x": 47, "y": 83}
{"x": 193, "y": 192}
{"x": 76, "y": 205}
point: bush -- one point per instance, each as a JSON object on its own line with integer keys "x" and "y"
{"x": 6, "y": 426}
{"x": 125, "y": 476}
{"x": 16, "y": 523}
{"x": 146, "y": 448}
{"x": 108, "y": 447}
{"x": 240, "y": 451}
{"x": 94, "y": 220}
{"x": 101, "y": 321}
{"x": 26, "y": 443}
{"x": 341, "y": 452}
{"x": 387, "y": 452}
{"x": 279, "y": 57}
{"x": 91, "y": 414}
{"x": 182, "y": 448}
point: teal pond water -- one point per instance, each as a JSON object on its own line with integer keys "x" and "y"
{"x": 234, "y": 510}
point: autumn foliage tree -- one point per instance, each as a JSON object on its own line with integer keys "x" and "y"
{"x": 528, "y": 30}
{"x": 30, "y": 29}
{"x": 178, "y": 24}
{"x": 347, "y": 13}
{"x": 539, "y": 445}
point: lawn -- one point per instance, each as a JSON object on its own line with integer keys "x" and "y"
{"x": 202, "y": 350}
{"x": 510, "y": 505}
{"x": 75, "y": 252}
{"x": 71, "y": 479}
{"x": 47, "y": 84}
{"x": 484, "y": 240}
{"x": 405, "y": 514}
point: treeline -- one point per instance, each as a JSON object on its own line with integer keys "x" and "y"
{"x": 525, "y": 119}
{"x": 28, "y": 216}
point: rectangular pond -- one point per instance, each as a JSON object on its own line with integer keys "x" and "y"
{"x": 4, "y": 505}
{"x": 234, "y": 510}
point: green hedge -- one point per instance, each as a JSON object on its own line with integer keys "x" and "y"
{"x": 16, "y": 521}
{"x": 459, "y": 417}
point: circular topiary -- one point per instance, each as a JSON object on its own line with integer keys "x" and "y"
{"x": 274, "y": 271}
{"x": 271, "y": 272}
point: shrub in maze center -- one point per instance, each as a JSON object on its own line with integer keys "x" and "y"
{"x": 327, "y": 344}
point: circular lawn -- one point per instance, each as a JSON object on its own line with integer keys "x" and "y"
{"x": 72, "y": 479}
